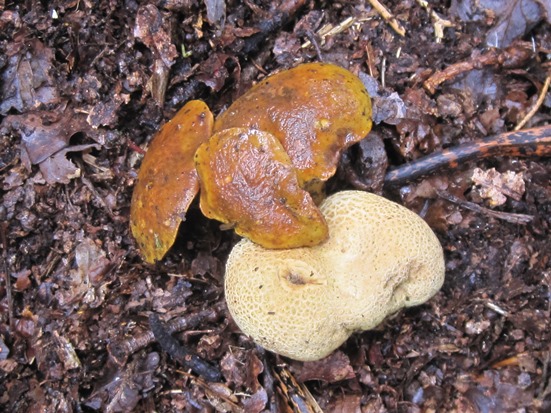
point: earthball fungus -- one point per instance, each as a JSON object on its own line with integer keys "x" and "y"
{"x": 305, "y": 302}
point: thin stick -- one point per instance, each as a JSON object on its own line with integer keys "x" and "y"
{"x": 536, "y": 107}
{"x": 438, "y": 22}
{"x": 514, "y": 56}
{"x": 527, "y": 142}
{"x": 390, "y": 19}
{"x": 519, "y": 219}
{"x": 121, "y": 350}
{"x": 4, "y": 269}
{"x": 210, "y": 390}
{"x": 180, "y": 353}
{"x": 329, "y": 30}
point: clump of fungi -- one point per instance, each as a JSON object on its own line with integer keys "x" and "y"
{"x": 305, "y": 277}
{"x": 258, "y": 165}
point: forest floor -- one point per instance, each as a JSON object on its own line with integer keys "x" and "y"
{"x": 85, "y": 86}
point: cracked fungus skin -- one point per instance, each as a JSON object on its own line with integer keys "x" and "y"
{"x": 303, "y": 303}
{"x": 248, "y": 181}
{"x": 316, "y": 110}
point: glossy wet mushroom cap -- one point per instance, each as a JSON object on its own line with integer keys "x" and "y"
{"x": 167, "y": 180}
{"x": 249, "y": 183}
{"x": 316, "y": 110}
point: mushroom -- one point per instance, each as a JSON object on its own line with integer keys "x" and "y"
{"x": 306, "y": 117}
{"x": 248, "y": 182}
{"x": 303, "y": 303}
{"x": 316, "y": 110}
{"x": 167, "y": 180}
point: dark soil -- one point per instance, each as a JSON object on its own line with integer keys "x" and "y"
{"x": 84, "y": 87}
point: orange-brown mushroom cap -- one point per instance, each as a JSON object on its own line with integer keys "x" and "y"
{"x": 316, "y": 110}
{"x": 167, "y": 180}
{"x": 248, "y": 181}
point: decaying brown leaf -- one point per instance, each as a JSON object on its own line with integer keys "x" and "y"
{"x": 153, "y": 30}
{"x": 43, "y": 133}
{"x": 167, "y": 181}
{"x": 514, "y": 18}
{"x": 26, "y": 83}
{"x": 248, "y": 181}
{"x": 58, "y": 169}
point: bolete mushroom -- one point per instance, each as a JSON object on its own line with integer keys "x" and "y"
{"x": 305, "y": 116}
{"x": 303, "y": 303}
{"x": 248, "y": 182}
{"x": 167, "y": 180}
{"x": 316, "y": 110}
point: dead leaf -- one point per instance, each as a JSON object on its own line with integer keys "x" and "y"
{"x": 121, "y": 390}
{"x": 213, "y": 71}
{"x": 513, "y": 18}
{"x": 26, "y": 82}
{"x": 4, "y": 350}
{"x": 546, "y": 4}
{"x": 57, "y": 169}
{"x": 158, "y": 82}
{"x": 256, "y": 402}
{"x": 348, "y": 403}
{"x": 496, "y": 187}
{"x": 44, "y": 133}
{"x": 216, "y": 12}
{"x": 83, "y": 283}
{"x": 153, "y": 30}
{"x": 104, "y": 113}
{"x": 333, "y": 368}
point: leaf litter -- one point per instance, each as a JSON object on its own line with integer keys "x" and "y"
{"x": 99, "y": 78}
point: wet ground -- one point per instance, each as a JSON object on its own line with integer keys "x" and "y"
{"x": 84, "y": 88}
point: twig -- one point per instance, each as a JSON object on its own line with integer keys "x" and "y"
{"x": 180, "y": 353}
{"x": 494, "y": 307}
{"x": 390, "y": 19}
{"x": 268, "y": 380}
{"x": 210, "y": 391}
{"x": 536, "y": 107}
{"x": 330, "y": 30}
{"x": 543, "y": 389}
{"x": 98, "y": 196}
{"x": 528, "y": 142}
{"x": 370, "y": 60}
{"x": 135, "y": 147}
{"x": 281, "y": 16}
{"x": 505, "y": 216}
{"x": 9, "y": 299}
{"x": 439, "y": 23}
{"x": 313, "y": 41}
{"x": 121, "y": 350}
{"x": 513, "y": 56}
{"x": 294, "y": 393}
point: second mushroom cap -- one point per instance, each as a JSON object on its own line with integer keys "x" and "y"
{"x": 316, "y": 110}
{"x": 248, "y": 181}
